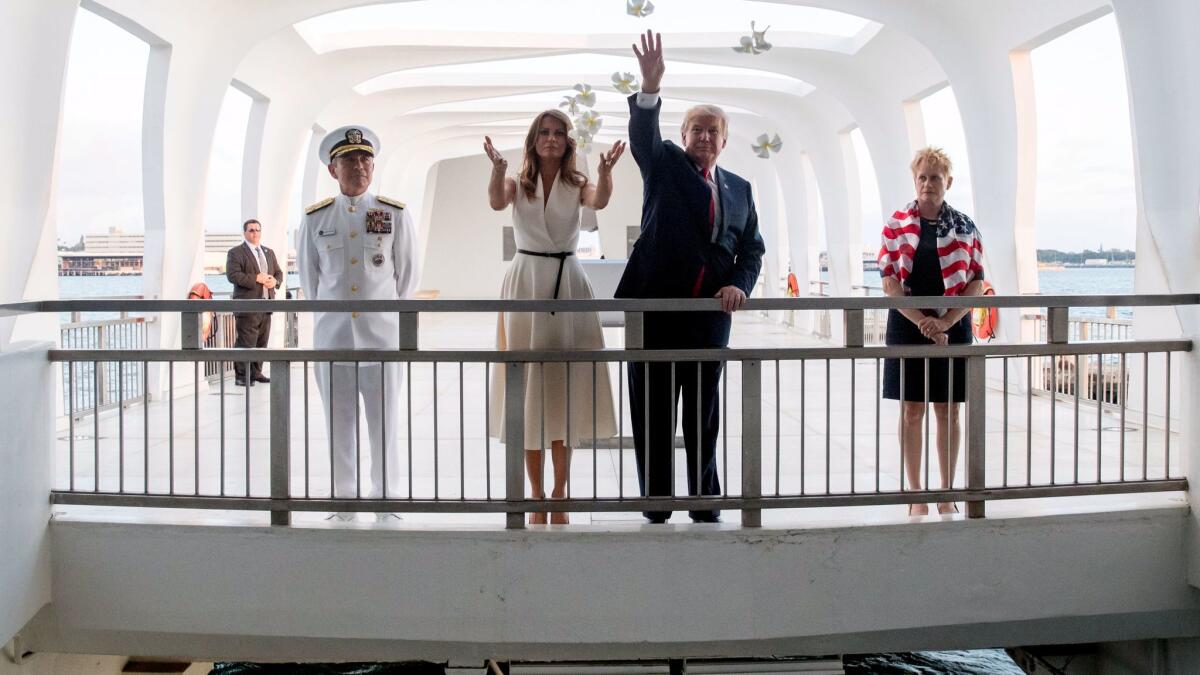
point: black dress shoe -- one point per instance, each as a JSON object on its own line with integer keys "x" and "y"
{"x": 705, "y": 517}
{"x": 242, "y": 383}
{"x": 657, "y": 518}
{"x": 261, "y": 378}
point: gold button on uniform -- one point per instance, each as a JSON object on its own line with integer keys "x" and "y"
{"x": 354, "y": 315}
{"x": 354, "y": 261}
{"x": 353, "y": 233}
{"x": 354, "y": 288}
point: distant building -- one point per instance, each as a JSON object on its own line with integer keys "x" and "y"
{"x": 120, "y": 253}
{"x": 115, "y": 242}
{"x": 1095, "y": 262}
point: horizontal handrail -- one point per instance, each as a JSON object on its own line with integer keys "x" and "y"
{"x": 125, "y": 321}
{"x": 601, "y": 305}
{"x": 634, "y": 355}
{"x": 584, "y": 504}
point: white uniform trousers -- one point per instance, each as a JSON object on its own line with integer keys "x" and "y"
{"x": 378, "y": 396}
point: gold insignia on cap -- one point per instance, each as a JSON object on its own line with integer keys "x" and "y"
{"x": 318, "y": 206}
{"x": 354, "y": 136}
{"x": 391, "y": 202}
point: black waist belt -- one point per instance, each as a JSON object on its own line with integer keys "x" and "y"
{"x": 562, "y": 260}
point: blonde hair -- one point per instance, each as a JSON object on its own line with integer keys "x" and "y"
{"x": 936, "y": 158}
{"x": 706, "y": 109}
{"x": 531, "y": 167}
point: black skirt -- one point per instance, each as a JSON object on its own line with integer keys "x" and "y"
{"x": 901, "y": 331}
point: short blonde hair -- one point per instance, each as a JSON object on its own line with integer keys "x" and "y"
{"x": 706, "y": 109}
{"x": 936, "y": 158}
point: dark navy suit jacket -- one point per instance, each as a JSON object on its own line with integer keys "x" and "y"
{"x": 674, "y": 244}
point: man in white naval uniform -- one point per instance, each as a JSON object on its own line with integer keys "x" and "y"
{"x": 358, "y": 246}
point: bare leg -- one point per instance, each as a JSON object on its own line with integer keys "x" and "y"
{"x": 947, "y": 418}
{"x": 534, "y": 460}
{"x": 912, "y": 414}
{"x": 560, "y": 454}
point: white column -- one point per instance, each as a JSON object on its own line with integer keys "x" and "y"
{"x": 852, "y": 226}
{"x": 1162, "y": 63}
{"x": 35, "y": 38}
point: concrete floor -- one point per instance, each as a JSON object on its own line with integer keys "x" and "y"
{"x": 823, "y": 415}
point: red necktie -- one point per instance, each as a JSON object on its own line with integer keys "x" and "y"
{"x": 712, "y": 201}
{"x": 712, "y": 219}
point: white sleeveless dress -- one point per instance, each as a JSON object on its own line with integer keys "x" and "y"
{"x": 553, "y": 229}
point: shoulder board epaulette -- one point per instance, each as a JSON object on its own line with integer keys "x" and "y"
{"x": 318, "y": 206}
{"x": 391, "y": 202}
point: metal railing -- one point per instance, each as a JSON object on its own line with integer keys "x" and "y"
{"x": 805, "y": 432}
{"x": 101, "y": 387}
{"x": 1090, "y": 328}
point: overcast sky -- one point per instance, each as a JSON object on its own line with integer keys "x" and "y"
{"x": 1084, "y": 197}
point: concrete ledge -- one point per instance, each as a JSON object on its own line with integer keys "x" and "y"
{"x": 263, "y": 593}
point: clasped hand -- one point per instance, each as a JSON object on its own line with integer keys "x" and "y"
{"x": 265, "y": 279}
{"x": 934, "y": 328}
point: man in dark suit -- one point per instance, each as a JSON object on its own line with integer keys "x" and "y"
{"x": 255, "y": 274}
{"x": 699, "y": 239}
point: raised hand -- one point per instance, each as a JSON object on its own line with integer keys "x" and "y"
{"x": 608, "y": 159}
{"x": 650, "y": 60}
{"x": 498, "y": 162}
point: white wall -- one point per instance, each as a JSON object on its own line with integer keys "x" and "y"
{"x": 254, "y": 592}
{"x": 464, "y": 247}
{"x": 27, "y": 414}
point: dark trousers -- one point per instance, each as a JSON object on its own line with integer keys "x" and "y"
{"x": 253, "y": 330}
{"x": 654, "y": 404}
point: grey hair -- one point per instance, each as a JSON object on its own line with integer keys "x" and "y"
{"x": 706, "y": 109}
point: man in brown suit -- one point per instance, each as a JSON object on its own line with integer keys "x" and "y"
{"x": 255, "y": 274}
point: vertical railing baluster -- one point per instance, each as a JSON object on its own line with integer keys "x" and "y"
{"x": 976, "y": 432}
{"x": 1167, "y": 417}
{"x": 1075, "y": 450}
{"x": 514, "y": 441}
{"x": 1101, "y": 395}
{"x": 96, "y": 369}
{"x": 71, "y": 425}
{"x": 1004, "y": 402}
{"x": 1145, "y": 415}
{"x": 1123, "y": 387}
{"x": 751, "y": 440}
{"x": 281, "y": 429}
{"x": 120, "y": 427}
{"x": 487, "y": 431}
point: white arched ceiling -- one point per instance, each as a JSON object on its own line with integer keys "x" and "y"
{"x": 867, "y": 76}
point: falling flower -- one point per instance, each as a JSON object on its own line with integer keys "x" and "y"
{"x": 571, "y": 104}
{"x": 583, "y": 140}
{"x": 639, "y": 8}
{"x": 586, "y": 97}
{"x": 765, "y": 146}
{"x": 755, "y": 43}
{"x": 625, "y": 83}
{"x": 589, "y": 122}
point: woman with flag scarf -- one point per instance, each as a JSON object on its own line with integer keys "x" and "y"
{"x": 929, "y": 249}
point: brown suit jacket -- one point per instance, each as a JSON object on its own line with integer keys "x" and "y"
{"x": 241, "y": 270}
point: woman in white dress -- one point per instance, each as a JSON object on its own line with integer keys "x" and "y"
{"x": 546, "y": 197}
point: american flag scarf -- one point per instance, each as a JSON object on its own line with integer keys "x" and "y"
{"x": 960, "y": 250}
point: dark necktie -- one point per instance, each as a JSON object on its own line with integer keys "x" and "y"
{"x": 262, "y": 267}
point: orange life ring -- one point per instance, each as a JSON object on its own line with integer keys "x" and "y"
{"x": 793, "y": 285}
{"x": 984, "y": 320}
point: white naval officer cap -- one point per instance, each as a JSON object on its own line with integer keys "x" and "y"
{"x": 347, "y": 139}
